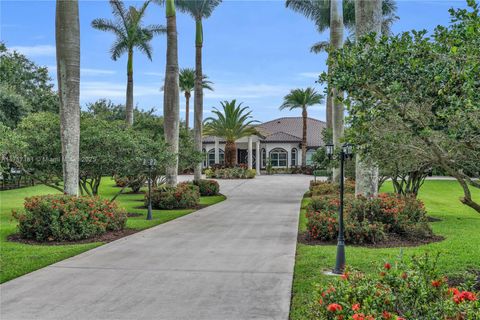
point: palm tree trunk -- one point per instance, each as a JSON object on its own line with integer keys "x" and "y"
{"x": 336, "y": 40}
{"x": 304, "y": 136}
{"x": 329, "y": 106}
{"x": 171, "y": 97}
{"x": 198, "y": 96}
{"x": 368, "y": 18}
{"x": 129, "y": 103}
{"x": 187, "y": 109}
{"x": 67, "y": 34}
{"x": 230, "y": 154}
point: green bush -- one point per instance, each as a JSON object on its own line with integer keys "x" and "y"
{"x": 230, "y": 173}
{"x": 68, "y": 218}
{"x": 319, "y": 188}
{"x": 367, "y": 220}
{"x": 183, "y": 196}
{"x": 207, "y": 187}
{"x": 406, "y": 290}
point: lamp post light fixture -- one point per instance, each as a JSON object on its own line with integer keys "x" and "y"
{"x": 345, "y": 154}
{"x": 149, "y": 163}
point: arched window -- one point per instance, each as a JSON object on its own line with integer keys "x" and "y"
{"x": 294, "y": 157}
{"x": 205, "y": 158}
{"x": 211, "y": 157}
{"x": 278, "y": 157}
{"x": 264, "y": 158}
{"x": 310, "y": 153}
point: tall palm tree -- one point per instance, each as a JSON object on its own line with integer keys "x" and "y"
{"x": 198, "y": 9}
{"x": 130, "y": 32}
{"x": 187, "y": 84}
{"x": 321, "y": 13}
{"x": 231, "y": 123}
{"x": 171, "y": 96}
{"x": 368, "y": 15}
{"x": 302, "y": 99}
{"x": 67, "y": 37}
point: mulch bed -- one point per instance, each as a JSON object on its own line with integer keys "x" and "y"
{"x": 393, "y": 241}
{"x": 457, "y": 280}
{"x": 106, "y": 237}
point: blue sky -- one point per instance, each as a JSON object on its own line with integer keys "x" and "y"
{"x": 254, "y": 51}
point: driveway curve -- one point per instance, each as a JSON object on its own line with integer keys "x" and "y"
{"x": 233, "y": 260}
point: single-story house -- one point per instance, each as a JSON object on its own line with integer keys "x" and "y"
{"x": 278, "y": 140}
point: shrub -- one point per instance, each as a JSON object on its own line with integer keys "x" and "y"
{"x": 239, "y": 172}
{"x": 367, "y": 220}
{"x": 207, "y": 187}
{"x": 325, "y": 187}
{"x": 120, "y": 181}
{"x": 183, "y": 196}
{"x": 68, "y": 218}
{"x": 405, "y": 290}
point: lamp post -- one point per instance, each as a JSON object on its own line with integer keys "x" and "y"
{"x": 345, "y": 153}
{"x": 149, "y": 163}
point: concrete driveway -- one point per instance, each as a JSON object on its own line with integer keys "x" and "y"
{"x": 233, "y": 260}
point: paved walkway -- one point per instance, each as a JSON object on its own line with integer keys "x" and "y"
{"x": 233, "y": 260}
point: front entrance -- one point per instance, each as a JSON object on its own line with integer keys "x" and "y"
{"x": 242, "y": 157}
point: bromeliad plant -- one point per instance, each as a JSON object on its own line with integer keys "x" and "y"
{"x": 407, "y": 290}
{"x": 231, "y": 123}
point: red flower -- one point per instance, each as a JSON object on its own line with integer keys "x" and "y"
{"x": 400, "y": 318}
{"x": 320, "y": 301}
{"x": 345, "y": 276}
{"x": 436, "y": 283}
{"x": 334, "y": 307}
{"x": 464, "y": 296}
{"x": 387, "y": 266}
{"x": 386, "y": 315}
{"x": 356, "y": 307}
{"x": 358, "y": 316}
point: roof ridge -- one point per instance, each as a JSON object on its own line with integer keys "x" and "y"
{"x": 298, "y": 117}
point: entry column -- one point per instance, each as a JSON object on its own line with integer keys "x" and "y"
{"x": 250, "y": 151}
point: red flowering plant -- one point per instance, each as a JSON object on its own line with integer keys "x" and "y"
{"x": 406, "y": 290}
{"x": 208, "y": 187}
{"x": 184, "y": 195}
{"x": 68, "y": 218}
{"x": 367, "y": 220}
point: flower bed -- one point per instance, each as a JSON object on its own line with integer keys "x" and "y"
{"x": 406, "y": 290}
{"x": 230, "y": 173}
{"x": 68, "y": 218}
{"x": 183, "y": 196}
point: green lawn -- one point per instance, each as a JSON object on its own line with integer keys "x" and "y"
{"x": 460, "y": 250}
{"x": 17, "y": 259}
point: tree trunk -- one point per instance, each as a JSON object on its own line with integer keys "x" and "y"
{"x": 368, "y": 18}
{"x": 187, "y": 109}
{"x": 304, "y": 136}
{"x": 198, "y": 97}
{"x": 336, "y": 41}
{"x": 230, "y": 154}
{"x": 129, "y": 102}
{"x": 67, "y": 36}
{"x": 329, "y": 107}
{"x": 171, "y": 97}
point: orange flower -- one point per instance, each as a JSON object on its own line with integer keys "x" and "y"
{"x": 356, "y": 307}
{"x": 386, "y": 315}
{"x": 436, "y": 283}
{"x": 334, "y": 307}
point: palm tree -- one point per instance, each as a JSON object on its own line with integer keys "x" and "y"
{"x": 130, "y": 32}
{"x": 368, "y": 13}
{"x": 187, "y": 84}
{"x": 67, "y": 37}
{"x": 232, "y": 123}
{"x": 171, "y": 96}
{"x": 326, "y": 16}
{"x": 302, "y": 99}
{"x": 198, "y": 9}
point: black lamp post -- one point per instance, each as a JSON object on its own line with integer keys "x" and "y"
{"x": 345, "y": 153}
{"x": 149, "y": 163}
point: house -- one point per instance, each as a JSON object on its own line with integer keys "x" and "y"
{"x": 278, "y": 140}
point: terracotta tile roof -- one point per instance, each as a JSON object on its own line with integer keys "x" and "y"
{"x": 288, "y": 129}
{"x": 293, "y": 126}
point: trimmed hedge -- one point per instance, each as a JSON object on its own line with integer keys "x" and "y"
{"x": 207, "y": 187}
{"x": 68, "y": 218}
{"x": 183, "y": 196}
{"x": 231, "y": 173}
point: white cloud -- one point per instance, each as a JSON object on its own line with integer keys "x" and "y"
{"x": 95, "y": 72}
{"x": 92, "y": 90}
{"x": 244, "y": 91}
{"x": 156, "y": 74}
{"x": 312, "y": 75}
{"x": 35, "y": 51}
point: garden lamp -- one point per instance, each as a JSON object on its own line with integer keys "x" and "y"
{"x": 149, "y": 163}
{"x": 329, "y": 148}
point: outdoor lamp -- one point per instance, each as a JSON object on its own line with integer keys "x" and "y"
{"x": 329, "y": 148}
{"x": 149, "y": 163}
{"x": 347, "y": 149}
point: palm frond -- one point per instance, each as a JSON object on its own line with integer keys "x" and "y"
{"x": 319, "y": 46}
{"x": 119, "y": 47}
{"x": 198, "y": 8}
{"x": 301, "y": 98}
